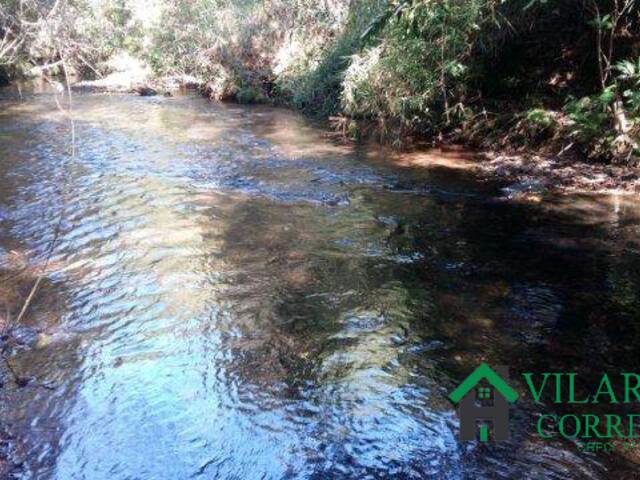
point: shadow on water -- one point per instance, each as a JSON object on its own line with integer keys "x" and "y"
{"x": 245, "y": 299}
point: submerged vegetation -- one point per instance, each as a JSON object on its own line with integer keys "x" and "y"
{"x": 556, "y": 73}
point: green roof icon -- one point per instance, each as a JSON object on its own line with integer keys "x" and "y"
{"x": 484, "y": 371}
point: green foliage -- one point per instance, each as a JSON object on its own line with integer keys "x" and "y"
{"x": 312, "y": 82}
{"x": 250, "y": 95}
{"x": 417, "y": 77}
{"x": 115, "y": 23}
{"x": 590, "y": 116}
{"x": 82, "y": 32}
{"x": 540, "y": 117}
{"x": 230, "y": 45}
{"x": 313, "y": 61}
{"x": 629, "y": 84}
{"x": 596, "y": 120}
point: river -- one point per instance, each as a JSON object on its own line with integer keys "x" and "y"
{"x": 235, "y": 295}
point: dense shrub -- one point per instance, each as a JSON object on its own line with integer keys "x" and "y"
{"x": 417, "y": 77}
{"x": 35, "y": 33}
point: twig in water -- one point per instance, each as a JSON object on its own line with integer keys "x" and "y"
{"x": 56, "y": 234}
{"x": 564, "y": 149}
{"x": 22, "y": 381}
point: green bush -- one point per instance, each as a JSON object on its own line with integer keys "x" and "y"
{"x": 417, "y": 77}
{"x": 607, "y": 122}
{"x": 312, "y": 64}
{"x": 540, "y": 118}
{"x": 590, "y": 116}
{"x": 250, "y": 95}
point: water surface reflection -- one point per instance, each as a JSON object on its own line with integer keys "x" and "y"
{"x": 245, "y": 299}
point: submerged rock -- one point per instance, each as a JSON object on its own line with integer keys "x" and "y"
{"x": 340, "y": 200}
{"x": 388, "y": 221}
{"x": 25, "y": 336}
{"x": 530, "y": 189}
{"x": 145, "y": 91}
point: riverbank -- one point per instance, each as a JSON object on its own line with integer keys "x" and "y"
{"x": 529, "y": 175}
{"x": 478, "y": 73}
{"x": 128, "y": 74}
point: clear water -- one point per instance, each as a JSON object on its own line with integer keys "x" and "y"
{"x": 238, "y": 297}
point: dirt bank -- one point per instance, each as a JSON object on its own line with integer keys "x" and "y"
{"x": 528, "y": 175}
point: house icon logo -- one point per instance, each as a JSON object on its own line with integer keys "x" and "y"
{"x": 483, "y": 398}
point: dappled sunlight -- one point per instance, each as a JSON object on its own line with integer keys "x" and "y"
{"x": 236, "y": 284}
{"x": 450, "y": 158}
{"x": 291, "y": 135}
{"x": 596, "y": 209}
